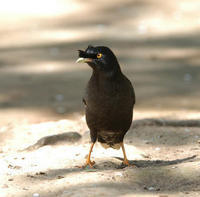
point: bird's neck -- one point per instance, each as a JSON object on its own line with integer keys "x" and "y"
{"x": 106, "y": 75}
{"x": 105, "y": 83}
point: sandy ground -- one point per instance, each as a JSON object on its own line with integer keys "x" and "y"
{"x": 166, "y": 163}
{"x": 157, "y": 44}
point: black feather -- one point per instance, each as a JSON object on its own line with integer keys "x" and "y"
{"x": 82, "y": 53}
{"x": 109, "y": 96}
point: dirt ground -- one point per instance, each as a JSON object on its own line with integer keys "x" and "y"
{"x": 157, "y": 44}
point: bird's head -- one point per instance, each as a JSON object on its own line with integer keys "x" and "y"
{"x": 100, "y": 58}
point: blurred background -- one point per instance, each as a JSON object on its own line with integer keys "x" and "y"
{"x": 157, "y": 44}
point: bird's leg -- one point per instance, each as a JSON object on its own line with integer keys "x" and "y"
{"x": 88, "y": 161}
{"x": 125, "y": 162}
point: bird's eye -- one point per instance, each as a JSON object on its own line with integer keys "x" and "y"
{"x": 99, "y": 55}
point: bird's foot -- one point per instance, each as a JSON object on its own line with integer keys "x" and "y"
{"x": 126, "y": 163}
{"x": 89, "y": 164}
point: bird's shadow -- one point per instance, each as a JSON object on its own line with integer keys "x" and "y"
{"x": 155, "y": 163}
{"x": 107, "y": 165}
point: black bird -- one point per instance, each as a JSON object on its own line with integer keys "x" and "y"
{"x": 109, "y": 100}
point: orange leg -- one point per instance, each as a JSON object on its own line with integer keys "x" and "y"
{"x": 88, "y": 161}
{"x": 125, "y": 162}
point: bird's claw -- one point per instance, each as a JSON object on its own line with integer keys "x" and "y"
{"x": 88, "y": 164}
{"x": 126, "y": 163}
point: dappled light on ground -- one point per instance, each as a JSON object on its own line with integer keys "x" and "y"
{"x": 157, "y": 45}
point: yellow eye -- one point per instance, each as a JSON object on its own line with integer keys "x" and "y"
{"x": 99, "y": 55}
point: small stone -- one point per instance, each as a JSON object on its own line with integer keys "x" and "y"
{"x": 17, "y": 167}
{"x": 151, "y": 188}
{"x": 40, "y": 173}
{"x": 113, "y": 178}
{"x": 157, "y": 148}
{"x": 10, "y": 166}
{"x": 145, "y": 156}
{"x": 10, "y": 179}
{"x": 14, "y": 167}
{"x": 61, "y": 177}
{"x": 147, "y": 142}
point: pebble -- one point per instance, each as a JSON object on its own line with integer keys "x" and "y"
{"x": 113, "y": 178}
{"x": 157, "y": 148}
{"x": 14, "y": 167}
{"x": 40, "y": 173}
{"x": 151, "y": 188}
{"x": 60, "y": 177}
{"x": 147, "y": 142}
